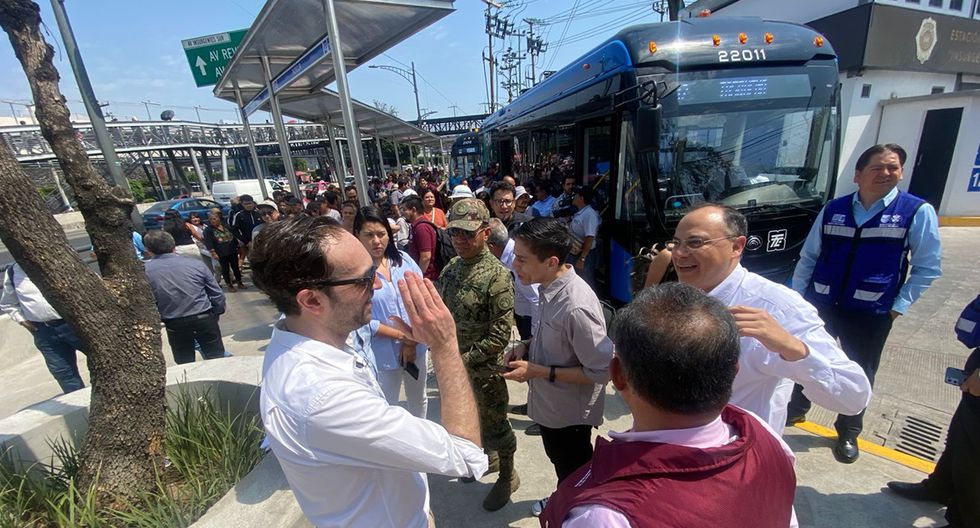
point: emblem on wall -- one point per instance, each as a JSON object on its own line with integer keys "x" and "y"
{"x": 925, "y": 40}
{"x": 754, "y": 243}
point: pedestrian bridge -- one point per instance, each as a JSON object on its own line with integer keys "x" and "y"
{"x": 141, "y": 137}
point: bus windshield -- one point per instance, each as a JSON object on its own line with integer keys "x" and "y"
{"x": 746, "y": 139}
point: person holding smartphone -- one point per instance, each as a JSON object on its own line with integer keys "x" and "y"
{"x": 398, "y": 357}
{"x": 956, "y": 480}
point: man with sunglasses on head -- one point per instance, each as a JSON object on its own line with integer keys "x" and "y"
{"x": 350, "y": 458}
{"x": 479, "y": 292}
{"x": 783, "y": 339}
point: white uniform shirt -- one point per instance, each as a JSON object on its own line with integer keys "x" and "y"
{"x": 351, "y": 459}
{"x": 585, "y": 223}
{"x": 526, "y": 298}
{"x": 764, "y": 383}
{"x": 22, "y": 300}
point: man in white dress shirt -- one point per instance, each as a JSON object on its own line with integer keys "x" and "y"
{"x": 351, "y": 459}
{"x": 782, "y": 338}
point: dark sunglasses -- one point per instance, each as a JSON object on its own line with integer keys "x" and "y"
{"x": 365, "y": 281}
{"x": 455, "y": 232}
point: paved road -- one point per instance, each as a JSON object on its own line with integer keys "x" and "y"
{"x": 78, "y": 239}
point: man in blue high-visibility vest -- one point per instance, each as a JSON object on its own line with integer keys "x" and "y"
{"x": 868, "y": 257}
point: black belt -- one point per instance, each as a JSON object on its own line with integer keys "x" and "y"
{"x": 186, "y": 319}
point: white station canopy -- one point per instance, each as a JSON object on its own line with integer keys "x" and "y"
{"x": 292, "y": 36}
{"x": 325, "y": 105}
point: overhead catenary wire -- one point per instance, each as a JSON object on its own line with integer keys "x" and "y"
{"x": 563, "y": 33}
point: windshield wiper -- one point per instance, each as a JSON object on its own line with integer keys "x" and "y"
{"x": 766, "y": 207}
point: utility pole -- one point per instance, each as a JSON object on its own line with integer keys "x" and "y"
{"x": 454, "y": 108}
{"x": 146, "y": 104}
{"x": 92, "y": 105}
{"x": 198, "y": 110}
{"x": 489, "y": 28}
{"x": 535, "y": 47}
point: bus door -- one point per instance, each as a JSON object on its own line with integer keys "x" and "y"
{"x": 597, "y": 160}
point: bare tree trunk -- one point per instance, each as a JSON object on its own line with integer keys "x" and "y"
{"x": 114, "y": 315}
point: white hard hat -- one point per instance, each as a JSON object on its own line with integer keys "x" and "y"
{"x": 461, "y": 191}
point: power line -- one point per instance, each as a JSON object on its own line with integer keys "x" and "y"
{"x": 563, "y": 32}
{"x": 601, "y": 12}
{"x": 591, "y": 32}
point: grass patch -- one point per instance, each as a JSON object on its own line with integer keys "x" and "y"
{"x": 208, "y": 450}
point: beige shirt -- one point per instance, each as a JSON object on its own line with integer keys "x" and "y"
{"x": 571, "y": 332}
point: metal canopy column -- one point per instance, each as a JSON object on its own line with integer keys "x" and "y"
{"x": 338, "y": 161}
{"x": 284, "y": 152}
{"x": 201, "y": 177}
{"x": 442, "y": 156}
{"x": 346, "y": 108}
{"x": 224, "y": 163}
{"x": 381, "y": 156}
{"x": 398, "y": 158}
{"x": 343, "y": 162}
{"x": 251, "y": 149}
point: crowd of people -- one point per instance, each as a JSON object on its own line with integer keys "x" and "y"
{"x": 481, "y": 281}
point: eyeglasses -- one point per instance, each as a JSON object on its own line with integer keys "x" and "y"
{"x": 365, "y": 281}
{"x": 503, "y": 203}
{"x": 694, "y": 244}
{"x": 455, "y": 232}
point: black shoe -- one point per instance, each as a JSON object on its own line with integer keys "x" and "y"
{"x": 519, "y": 409}
{"x": 846, "y": 451}
{"x": 795, "y": 419}
{"x": 917, "y": 491}
{"x": 533, "y": 430}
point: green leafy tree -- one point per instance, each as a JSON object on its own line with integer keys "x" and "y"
{"x": 138, "y": 190}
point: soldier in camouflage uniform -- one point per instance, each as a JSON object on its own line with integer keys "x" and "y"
{"x": 479, "y": 292}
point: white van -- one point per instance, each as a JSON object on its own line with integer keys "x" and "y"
{"x": 224, "y": 191}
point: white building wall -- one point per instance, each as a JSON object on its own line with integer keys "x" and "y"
{"x": 902, "y": 123}
{"x": 861, "y": 116}
{"x": 799, "y": 11}
{"x": 803, "y": 11}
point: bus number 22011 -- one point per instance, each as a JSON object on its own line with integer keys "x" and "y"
{"x": 741, "y": 55}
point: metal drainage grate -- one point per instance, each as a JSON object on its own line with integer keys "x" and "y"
{"x": 920, "y": 438}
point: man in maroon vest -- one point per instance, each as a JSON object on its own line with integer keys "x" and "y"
{"x": 690, "y": 459}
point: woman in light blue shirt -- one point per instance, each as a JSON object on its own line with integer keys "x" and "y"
{"x": 398, "y": 359}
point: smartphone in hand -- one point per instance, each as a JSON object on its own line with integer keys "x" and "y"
{"x": 412, "y": 369}
{"x": 955, "y": 376}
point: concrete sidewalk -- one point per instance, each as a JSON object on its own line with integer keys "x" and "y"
{"x": 828, "y": 494}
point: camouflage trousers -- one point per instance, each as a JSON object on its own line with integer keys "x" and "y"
{"x": 496, "y": 433}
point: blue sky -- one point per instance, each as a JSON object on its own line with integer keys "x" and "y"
{"x": 133, "y": 53}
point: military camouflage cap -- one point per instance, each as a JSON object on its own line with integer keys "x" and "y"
{"x": 469, "y": 214}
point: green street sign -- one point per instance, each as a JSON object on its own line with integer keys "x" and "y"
{"x": 209, "y": 55}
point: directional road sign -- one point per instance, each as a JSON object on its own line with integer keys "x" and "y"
{"x": 209, "y": 55}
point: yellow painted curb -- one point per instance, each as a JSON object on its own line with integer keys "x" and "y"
{"x": 959, "y": 221}
{"x": 881, "y": 451}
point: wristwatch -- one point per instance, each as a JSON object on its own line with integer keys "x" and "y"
{"x": 551, "y": 375}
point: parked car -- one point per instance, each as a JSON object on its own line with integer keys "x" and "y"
{"x": 153, "y": 217}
